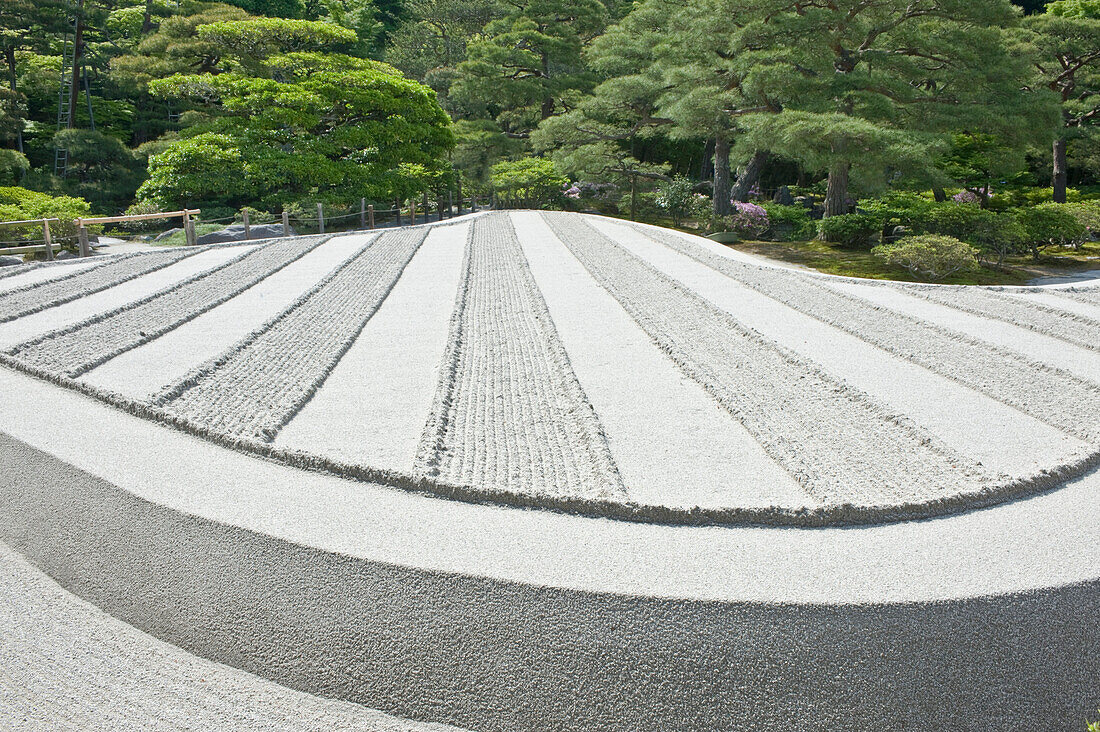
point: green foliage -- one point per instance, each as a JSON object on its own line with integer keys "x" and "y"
{"x": 1093, "y": 726}
{"x": 196, "y": 172}
{"x": 528, "y": 181}
{"x": 13, "y": 164}
{"x": 850, "y": 230}
{"x": 676, "y": 197}
{"x": 1049, "y": 225}
{"x": 20, "y": 204}
{"x": 931, "y": 255}
{"x": 139, "y": 209}
{"x": 272, "y": 8}
{"x": 255, "y": 39}
{"x": 1074, "y": 8}
{"x": 789, "y": 223}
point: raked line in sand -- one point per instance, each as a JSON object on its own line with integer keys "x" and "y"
{"x": 259, "y": 384}
{"x": 674, "y": 445}
{"x": 143, "y": 371}
{"x": 1057, "y": 397}
{"x": 75, "y": 311}
{"x": 842, "y": 447}
{"x": 372, "y": 408}
{"x": 1003, "y": 439}
{"x": 508, "y": 412}
{"x": 81, "y": 347}
{"x": 33, "y": 298}
{"x": 1053, "y": 300}
{"x": 19, "y": 276}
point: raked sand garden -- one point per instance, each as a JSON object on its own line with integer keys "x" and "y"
{"x": 599, "y": 432}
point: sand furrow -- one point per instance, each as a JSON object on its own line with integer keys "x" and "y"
{"x": 1050, "y": 395}
{"x": 509, "y": 413}
{"x": 372, "y": 407}
{"x": 842, "y": 447}
{"x": 1089, "y": 295}
{"x": 1071, "y": 327}
{"x": 253, "y": 389}
{"x": 79, "y": 348}
{"x": 16, "y": 278}
{"x": 79, "y": 310}
{"x": 86, "y": 281}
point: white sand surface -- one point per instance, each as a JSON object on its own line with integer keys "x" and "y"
{"x": 67, "y": 665}
{"x": 1052, "y": 299}
{"x": 372, "y": 408}
{"x": 1001, "y": 438}
{"x": 259, "y": 384}
{"x": 673, "y": 444}
{"x": 33, "y": 275}
{"x": 70, "y": 313}
{"x": 143, "y": 371}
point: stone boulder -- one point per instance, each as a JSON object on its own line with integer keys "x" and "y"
{"x": 235, "y": 232}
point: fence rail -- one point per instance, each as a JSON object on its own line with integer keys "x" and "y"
{"x": 47, "y": 239}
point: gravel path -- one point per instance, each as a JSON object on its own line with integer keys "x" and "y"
{"x": 142, "y": 372}
{"x": 80, "y": 348}
{"x": 14, "y": 278}
{"x": 372, "y": 408}
{"x": 839, "y": 445}
{"x": 1053, "y": 396}
{"x": 66, "y": 665}
{"x": 86, "y": 281}
{"x": 257, "y": 386}
{"x": 509, "y": 413}
{"x": 1071, "y": 327}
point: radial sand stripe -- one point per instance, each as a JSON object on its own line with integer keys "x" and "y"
{"x": 509, "y": 413}
{"x": 16, "y": 278}
{"x": 1051, "y": 300}
{"x": 371, "y": 409}
{"x": 842, "y": 447}
{"x": 1067, "y": 326}
{"x": 71, "y": 313}
{"x": 1001, "y": 438}
{"x": 142, "y": 372}
{"x": 81, "y": 347}
{"x": 673, "y": 443}
{"x": 257, "y": 386}
{"x": 1090, "y": 295}
{"x": 1050, "y": 395}
{"x": 42, "y": 295}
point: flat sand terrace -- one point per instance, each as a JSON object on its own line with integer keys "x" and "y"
{"x": 588, "y": 365}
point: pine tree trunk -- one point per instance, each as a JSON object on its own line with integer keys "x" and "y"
{"x": 78, "y": 53}
{"x": 147, "y": 18}
{"x": 1058, "y": 179}
{"x": 9, "y": 56}
{"x": 633, "y": 198}
{"x": 836, "y": 193}
{"x": 721, "y": 176}
{"x": 750, "y": 174}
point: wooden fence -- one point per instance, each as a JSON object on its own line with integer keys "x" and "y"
{"x": 47, "y": 239}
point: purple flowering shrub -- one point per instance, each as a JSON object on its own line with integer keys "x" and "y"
{"x": 748, "y": 219}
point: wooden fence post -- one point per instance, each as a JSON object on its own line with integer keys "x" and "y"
{"x": 370, "y": 216}
{"x": 286, "y": 224}
{"x": 82, "y": 237}
{"x": 363, "y": 213}
{"x": 397, "y": 207}
{"x": 473, "y": 202}
{"x": 426, "y": 207}
{"x": 320, "y": 218}
{"x": 439, "y": 206}
{"x": 189, "y": 229}
{"x": 247, "y": 227}
{"x": 49, "y": 241}
{"x": 412, "y": 212}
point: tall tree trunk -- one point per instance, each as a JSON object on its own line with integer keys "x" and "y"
{"x": 9, "y": 56}
{"x": 78, "y": 53}
{"x": 147, "y": 18}
{"x": 547, "y": 101}
{"x": 633, "y": 198}
{"x": 1058, "y": 179}
{"x": 836, "y": 192}
{"x": 749, "y": 175}
{"x": 721, "y": 176}
{"x": 938, "y": 194}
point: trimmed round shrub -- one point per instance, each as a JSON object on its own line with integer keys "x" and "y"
{"x": 789, "y": 223}
{"x": 930, "y": 255}
{"x": 850, "y": 230}
{"x": 1050, "y": 224}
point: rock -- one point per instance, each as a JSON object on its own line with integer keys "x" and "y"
{"x": 899, "y": 231}
{"x": 165, "y": 235}
{"x": 10, "y": 261}
{"x": 806, "y": 202}
{"x": 783, "y": 196}
{"x": 66, "y": 254}
{"x": 235, "y": 232}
